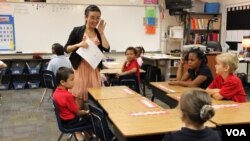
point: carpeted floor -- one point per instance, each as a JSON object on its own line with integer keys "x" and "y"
{"x": 21, "y": 118}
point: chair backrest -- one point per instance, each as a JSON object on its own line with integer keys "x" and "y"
{"x": 153, "y": 74}
{"x": 100, "y": 124}
{"x": 131, "y": 83}
{"x": 49, "y": 79}
{"x": 58, "y": 119}
{"x": 60, "y": 123}
{"x": 214, "y": 45}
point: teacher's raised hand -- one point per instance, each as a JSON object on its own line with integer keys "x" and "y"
{"x": 101, "y": 27}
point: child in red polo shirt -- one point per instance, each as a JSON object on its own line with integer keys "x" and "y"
{"x": 227, "y": 85}
{"x": 131, "y": 68}
{"x": 69, "y": 111}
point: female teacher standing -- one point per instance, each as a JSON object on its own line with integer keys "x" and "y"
{"x": 85, "y": 75}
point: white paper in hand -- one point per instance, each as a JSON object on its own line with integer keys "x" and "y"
{"x": 92, "y": 54}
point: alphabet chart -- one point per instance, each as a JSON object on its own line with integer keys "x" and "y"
{"x": 7, "y": 32}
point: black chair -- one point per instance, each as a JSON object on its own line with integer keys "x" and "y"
{"x": 49, "y": 82}
{"x": 215, "y": 46}
{"x": 65, "y": 130}
{"x": 100, "y": 124}
{"x": 153, "y": 74}
{"x": 131, "y": 83}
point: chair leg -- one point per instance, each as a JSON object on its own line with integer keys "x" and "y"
{"x": 153, "y": 98}
{"x": 75, "y": 136}
{"x": 144, "y": 89}
{"x": 70, "y": 137}
{"x": 44, "y": 92}
{"x": 60, "y": 137}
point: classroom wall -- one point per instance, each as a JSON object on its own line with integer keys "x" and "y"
{"x": 224, "y": 4}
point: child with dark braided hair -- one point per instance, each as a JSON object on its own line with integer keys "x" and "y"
{"x": 198, "y": 74}
{"x": 196, "y": 109}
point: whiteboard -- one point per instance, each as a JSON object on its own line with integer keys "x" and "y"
{"x": 39, "y": 25}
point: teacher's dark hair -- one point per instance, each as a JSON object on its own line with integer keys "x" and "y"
{"x": 92, "y": 8}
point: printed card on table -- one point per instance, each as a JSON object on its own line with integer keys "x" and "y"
{"x": 167, "y": 89}
{"x": 128, "y": 91}
{"x": 148, "y": 113}
{"x": 92, "y": 54}
{"x": 224, "y": 105}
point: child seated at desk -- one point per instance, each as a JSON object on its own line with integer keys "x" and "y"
{"x": 196, "y": 109}
{"x": 140, "y": 51}
{"x": 198, "y": 73}
{"x": 60, "y": 60}
{"x": 227, "y": 85}
{"x": 130, "y": 68}
{"x": 69, "y": 111}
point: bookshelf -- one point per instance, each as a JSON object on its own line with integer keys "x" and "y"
{"x": 197, "y": 28}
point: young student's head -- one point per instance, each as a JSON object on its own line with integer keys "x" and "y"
{"x": 57, "y": 49}
{"x": 196, "y": 107}
{"x": 92, "y": 15}
{"x": 140, "y": 50}
{"x": 65, "y": 77}
{"x": 130, "y": 53}
{"x": 195, "y": 58}
{"x": 226, "y": 63}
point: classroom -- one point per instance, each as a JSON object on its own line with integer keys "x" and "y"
{"x": 124, "y": 70}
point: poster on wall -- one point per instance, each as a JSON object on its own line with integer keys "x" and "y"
{"x": 7, "y": 33}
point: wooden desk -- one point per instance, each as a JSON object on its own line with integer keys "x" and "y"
{"x": 166, "y": 88}
{"x": 145, "y": 127}
{"x": 174, "y": 98}
{"x": 160, "y": 89}
{"x": 112, "y": 65}
{"x": 158, "y": 57}
{"x": 232, "y": 115}
{"x": 115, "y": 71}
{"x": 111, "y": 92}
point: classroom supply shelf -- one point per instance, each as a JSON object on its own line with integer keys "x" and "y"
{"x": 22, "y": 74}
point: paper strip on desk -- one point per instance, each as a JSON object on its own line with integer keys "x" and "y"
{"x": 167, "y": 89}
{"x": 92, "y": 54}
{"x": 147, "y": 113}
{"x": 147, "y": 103}
{"x": 128, "y": 91}
{"x": 224, "y": 105}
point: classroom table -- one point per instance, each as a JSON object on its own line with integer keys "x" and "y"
{"x": 156, "y": 58}
{"x": 174, "y": 98}
{"x": 97, "y": 94}
{"x": 112, "y": 65}
{"x": 160, "y": 89}
{"x": 133, "y": 119}
{"x": 232, "y": 114}
{"x": 170, "y": 94}
{"x": 115, "y": 71}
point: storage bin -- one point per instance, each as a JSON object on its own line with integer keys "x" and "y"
{"x": 34, "y": 84}
{"x": 16, "y": 70}
{"x": 4, "y": 86}
{"x": 17, "y": 67}
{"x": 19, "y": 81}
{"x": 33, "y": 66}
{"x": 213, "y": 7}
{"x": 5, "y": 82}
{"x": 19, "y": 85}
{"x": 34, "y": 81}
{"x": 3, "y": 71}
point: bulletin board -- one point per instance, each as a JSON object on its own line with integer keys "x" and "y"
{"x": 7, "y": 33}
{"x": 39, "y": 25}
